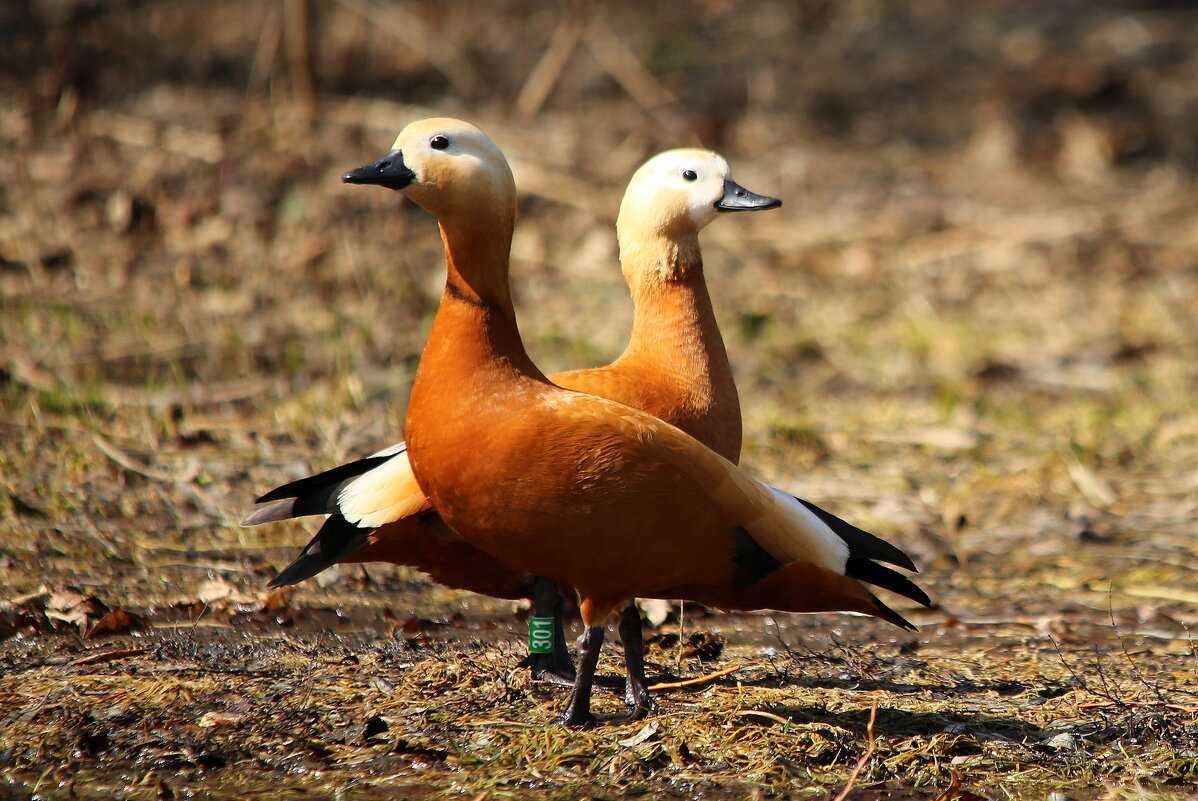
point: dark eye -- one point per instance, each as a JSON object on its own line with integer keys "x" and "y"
{"x": 690, "y": 175}
{"x": 438, "y": 142}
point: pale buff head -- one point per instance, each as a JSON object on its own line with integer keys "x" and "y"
{"x": 678, "y": 192}
{"x": 449, "y": 167}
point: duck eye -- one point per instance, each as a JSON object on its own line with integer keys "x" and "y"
{"x": 438, "y": 142}
{"x": 690, "y": 175}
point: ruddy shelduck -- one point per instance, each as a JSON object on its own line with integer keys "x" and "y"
{"x": 675, "y": 367}
{"x": 583, "y": 490}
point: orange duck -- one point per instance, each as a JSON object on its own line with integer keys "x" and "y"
{"x": 584, "y": 490}
{"x": 675, "y": 367}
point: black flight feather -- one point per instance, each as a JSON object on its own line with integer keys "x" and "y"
{"x": 891, "y": 616}
{"x": 751, "y": 563}
{"x": 862, "y": 544}
{"x": 323, "y": 484}
{"x": 337, "y": 539}
{"x": 887, "y": 579}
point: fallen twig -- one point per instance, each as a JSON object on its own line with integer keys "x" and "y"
{"x": 632, "y": 76}
{"x": 1121, "y": 702}
{"x": 869, "y": 752}
{"x": 671, "y": 685}
{"x": 1161, "y": 593}
{"x": 545, "y": 74}
{"x": 759, "y": 713}
{"x": 107, "y": 656}
{"x": 13, "y": 603}
{"x": 123, "y": 460}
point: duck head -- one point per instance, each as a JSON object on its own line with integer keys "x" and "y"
{"x": 678, "y": 192}
{"x": 447, "y": 166}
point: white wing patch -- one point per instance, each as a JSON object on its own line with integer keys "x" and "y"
{"x": 399, "y": 447}
{"x": 383, "y": 495}
{"x": 793, "y": 533}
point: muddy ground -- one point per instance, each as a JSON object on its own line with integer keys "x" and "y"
{"x": 972, "y": 329}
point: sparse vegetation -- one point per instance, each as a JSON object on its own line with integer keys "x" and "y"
{"x": 971, "y": 329}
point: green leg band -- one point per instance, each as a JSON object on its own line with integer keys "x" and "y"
{"x": 540, "y": 635}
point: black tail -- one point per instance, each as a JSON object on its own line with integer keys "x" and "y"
{"x": 322, "y": 481}
{"x": 891, "y": 616}
{"x": 887, "y": 579}
{"x": 337, "y": 539}
{"x": 865, "y": 551}
{"x": 314, "y": 495}
{"x": 862, "y": 544}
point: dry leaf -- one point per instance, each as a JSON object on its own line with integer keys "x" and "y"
{"x": 220, "y": 589}
{"x": 116, "y": 622}
{"x": 107, "y": 656}
{"x": 210, "y": 719}
{"x": 278, "y": 599}
{"x": 72, "y": 606}
{"x": 642, "y": 736}
{"x": 1096, "y": 490}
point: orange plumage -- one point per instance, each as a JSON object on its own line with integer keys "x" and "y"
{"x": 581, "y": 489}
{"x": 675, "y": 367}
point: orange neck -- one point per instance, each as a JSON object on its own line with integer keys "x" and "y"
{"x": 474, "y": 349}
{"x": 675, "y": 336}
{"x": 476, "y": 254}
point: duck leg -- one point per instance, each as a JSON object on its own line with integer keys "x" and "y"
{"x": 578, "y": 711}
{"x": 555, "y": 667}
{"x": 636, "y": 692}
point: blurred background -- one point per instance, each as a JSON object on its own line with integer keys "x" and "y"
{"x": 971, "y": 327}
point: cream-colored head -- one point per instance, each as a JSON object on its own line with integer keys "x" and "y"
{"x": 676, "y": 193}
{"x": 449, "y": 167}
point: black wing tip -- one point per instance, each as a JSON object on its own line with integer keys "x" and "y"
{"x": 905, "y": 563}
{"x": 279, "y": 510}
{"x": 325, "y": 479}
{"x": 891, "y": 616}
{"x": 276, "y": 494}
{"x": 337, "y": 540}
{"x": 297, "y": 488}
{"x": 887, "y": 579}
{"x": 303, "y": 568}
{"x": 861, "y": 543}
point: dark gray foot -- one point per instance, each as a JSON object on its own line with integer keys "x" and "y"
{"x": 547, "y": 668}
{"x": 636, "y": 693}
{"x": 557, "y": 668}
{"x": 578, "y": 710}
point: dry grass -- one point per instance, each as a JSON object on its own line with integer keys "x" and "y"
{"x": 971, "y": 328}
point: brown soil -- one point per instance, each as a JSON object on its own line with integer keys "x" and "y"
{"x": 971, "y": 329}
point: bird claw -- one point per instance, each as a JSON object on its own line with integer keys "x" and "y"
{"x": 544, "y": 668}
{"x": 577, "y": 718}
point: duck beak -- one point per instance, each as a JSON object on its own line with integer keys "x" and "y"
{"x": 389, "y": 171}
{"x": 737, "y": 198}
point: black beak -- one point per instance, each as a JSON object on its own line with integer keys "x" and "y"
{"x": 389, "y": 171}
{"x": 737, "y": 198}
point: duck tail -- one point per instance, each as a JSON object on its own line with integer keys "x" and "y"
{"x": 337, "y": 540}
{"x": 317, "y": 494}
